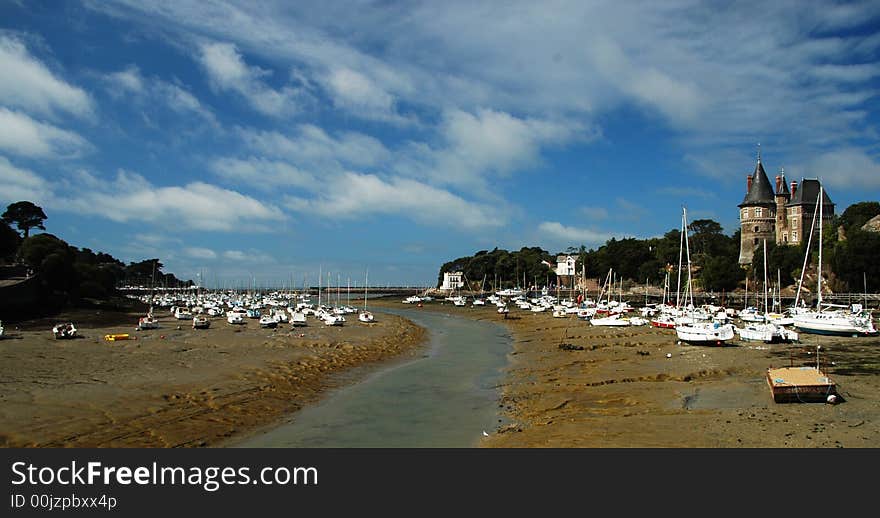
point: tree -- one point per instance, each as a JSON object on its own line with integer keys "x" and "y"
{"x": 25, "y": 215}
{"x": 9, "y": 241}
{"x": 858, "y": 214}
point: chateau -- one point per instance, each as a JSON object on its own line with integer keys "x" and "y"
{"x": 784, "y": 216}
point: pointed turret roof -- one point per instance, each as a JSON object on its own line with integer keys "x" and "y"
{"x": 761, "y": 192}
{"x": 808, "y": 192}
{"x": 783, "y": 189}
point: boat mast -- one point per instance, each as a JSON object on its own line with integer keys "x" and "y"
{"x": 366, "y": 281}
{"x": 680, "y": 250}
{"x": 819, "y": 303}
{"x": 807, "y": 254}
{"x": 765, "y": 280}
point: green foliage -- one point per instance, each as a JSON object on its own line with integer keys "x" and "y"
{"x": 10, "y": 240}
{"x": 857, "y": 214}
{"x": 855, "y": 261}
{"x": 25, "y": 215}
{"x": 507, "y": 268}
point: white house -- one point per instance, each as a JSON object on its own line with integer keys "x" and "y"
{"x": 565, "y": 265}
{"x": 452, "y": 280}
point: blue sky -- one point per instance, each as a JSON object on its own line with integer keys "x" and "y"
{"x": 263, "y": 142}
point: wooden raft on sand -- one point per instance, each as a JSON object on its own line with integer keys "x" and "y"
{"x": 801, "y": 384}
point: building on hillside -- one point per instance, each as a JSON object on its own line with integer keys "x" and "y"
{"x": 784, "y": 217}
{"x": 452, "y": 281}
{"x": 565, "y": 270}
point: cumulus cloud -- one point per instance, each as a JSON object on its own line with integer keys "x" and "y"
{"x": 845, "y": 168}
{"x": 227, "y": 71}
{"x": 153, "y": 91}
{"x": 359, "y": 94}
{"x": 20, "y": 184}
{"x": 262, "y": 173}
{"x": 309, "y": 145}
{"x": 197, "y": 205}
{"x": 357, "y": 194}
{"x": 199, "y": 253}
{"x": 21, "y": 135}
{"x": 28, "y": 84}
{"x": 558, "y": 232}
{"x": 252, "y": 256}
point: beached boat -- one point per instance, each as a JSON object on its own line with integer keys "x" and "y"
{"x": 201, "y": 322}
{"x": 705, "y": 333}
{"x": 268, "y": 321}
{"x": 64, "y": 330}
{"x": 333, "y": 320}
{"x": 366, "y": 317}
{"x": 766, "y": 332}
{"x": 182, "y": 313}
{"x": 235, "y": 318}
{"x": 297, "y": 319}
{"x": 801, "y": 384}
{"x": 829, "y": 319}
{"x": 149, "y": 321}
{"x": 612, "y": 320}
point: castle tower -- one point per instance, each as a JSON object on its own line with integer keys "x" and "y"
{"x": 782, "y": 198}
{"x": 802, "y": 206}
{"x": 757, "y": 214}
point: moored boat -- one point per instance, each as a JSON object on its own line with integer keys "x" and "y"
{"x": 201, "y": 322}
{"x": 64, "y": 330}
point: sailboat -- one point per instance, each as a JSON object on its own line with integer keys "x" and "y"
{"x": 831, "y": 319}
{"x": 694, "y": 332}
{"x": 365, "y": 316}
{"x": 149, "y": 321}
{"x": 765, "y": 330}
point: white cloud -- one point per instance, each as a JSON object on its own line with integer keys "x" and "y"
{"x": 151, "y": 91}
{"x": 228, "y": 72}
{"x": 26, "y": 83}
{"x": 20, "y": 184}
{"x": 573, "y": 236}
{"x": 199, "y": 253}
{"x": 262, "y": 174}
{"x": 355, "y": 195}
{"x": 24, "y": 136}
{"x": 845, "y": 168}
{"x": 131, "y": 198}
{"x": 128, "y": 78}
{"x": 311, "y": 146}
{"x": 360, "y": 95}
{"x": 249, "y": 257}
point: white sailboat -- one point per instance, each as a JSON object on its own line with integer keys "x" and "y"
{"x": 149, "y": 321}
{"x": 365, "y": 316}
{"x": 694, "y": 332}
{"x": 765, "y": 330}
{"x": 831, "y": 319}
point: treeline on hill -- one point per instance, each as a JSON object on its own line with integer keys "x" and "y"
{"x": 849, "y": 253}
{"x": 68, "y": 274}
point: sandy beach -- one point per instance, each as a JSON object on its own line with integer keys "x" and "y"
{"x": 608, "y": 387}
{"x": 174, "y": 386}
{"x": 620, "y": 390}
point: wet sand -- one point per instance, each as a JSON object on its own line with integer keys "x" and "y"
{"x": 175, "y": 386}
{"x": 622, "y": 391}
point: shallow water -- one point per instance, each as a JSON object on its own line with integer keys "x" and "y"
{"x": 445, "y": 399}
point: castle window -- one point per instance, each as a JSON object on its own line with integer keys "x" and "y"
{"x": 756, "y": 228}
{"x": 794, "y": 224}
{"x": 794, "y": 237}
{"x": 759, "y": 212}
{"x": 745, "y": 213}
{"x": 785, "y": 237}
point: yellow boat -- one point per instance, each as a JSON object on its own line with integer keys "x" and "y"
{"x": 113, "y": 338}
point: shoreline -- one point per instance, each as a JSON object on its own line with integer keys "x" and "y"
{"x": 177, "y": 387}
{"x": 621, "y": 390}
